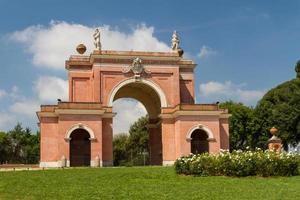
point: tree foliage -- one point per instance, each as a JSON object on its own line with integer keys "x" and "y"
{"x": 241, "y": 124}
{"x": 280, "y": 107}
{"x": 139, "y": 136}
{"x": 133, "y": 148}
{"x": 19, "y": 146}
{"x": 119, "y": 149}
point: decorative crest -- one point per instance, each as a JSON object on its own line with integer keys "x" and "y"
{"x": 97, "y": 41}
{"x": 136, "y": 67}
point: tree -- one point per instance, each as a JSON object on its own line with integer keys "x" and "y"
{"x": 16, "y": 141}
{"x": 119, "y": 149}
{"x": 130, "y": 149}
{"x": 139, "y": 136}
{"x": 3, "y": 147}
{"x": 280, "y": 107}
{"x": 240, "y": 124}
{"x": 19, "y": 146}
{"x": 138, "y": 141}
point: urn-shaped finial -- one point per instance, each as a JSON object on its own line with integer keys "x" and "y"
{"x": 274, "y": 131}
{"x": 274, "y": 143}
{"x": 81, "y": 48}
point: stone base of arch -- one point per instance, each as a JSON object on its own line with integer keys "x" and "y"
{"x": 178, "y": 123}
{"x": 170, "y": 137}
{"x": 59, "y": 121}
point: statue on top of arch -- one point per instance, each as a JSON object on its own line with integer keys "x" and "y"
{"x": 97, "y": 41}
{"x": 175, "y": 41}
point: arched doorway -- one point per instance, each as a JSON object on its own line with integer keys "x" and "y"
{"x": 199, "y": 142}
{"x": 149, "y": 97}
{"x": 80, "y": 148}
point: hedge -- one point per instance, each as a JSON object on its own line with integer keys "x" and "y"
{"x": 240, "y": 163}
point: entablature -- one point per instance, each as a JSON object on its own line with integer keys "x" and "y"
{"x": 75, "y": 108}
{"x": 126, "y": 57}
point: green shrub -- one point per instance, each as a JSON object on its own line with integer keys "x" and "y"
{"x": 239, "y": 163}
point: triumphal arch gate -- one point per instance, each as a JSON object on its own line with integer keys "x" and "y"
{"x": 79, "y": 132}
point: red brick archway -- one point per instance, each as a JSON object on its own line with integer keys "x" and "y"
{"x": 162, "y": 81}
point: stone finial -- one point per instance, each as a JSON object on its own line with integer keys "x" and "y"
{"x": 81, "y": 48}
{"x": 97, "y": 40}
{"x": 297, "y": 69}
{"x": 274, "y": 143}
{"x": 274, "y": 131}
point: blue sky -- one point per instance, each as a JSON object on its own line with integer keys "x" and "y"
{"x": 242, "y": 48}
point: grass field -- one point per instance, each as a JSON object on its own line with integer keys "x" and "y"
{"x": 140, "y": 183}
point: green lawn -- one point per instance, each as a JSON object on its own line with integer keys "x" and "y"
{"x": 140, "y": 183}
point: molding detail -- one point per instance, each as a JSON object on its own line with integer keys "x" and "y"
{"x": 158, "y": 90}
{"x": 201, "y": 127}
{"x": 51, "y": 164}
{"x": 95, "y": 163}
{"x": 80, "y": 126}
{"x": 79, "y": 112}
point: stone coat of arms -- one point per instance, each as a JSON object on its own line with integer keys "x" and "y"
{"x": 136, "y": 67}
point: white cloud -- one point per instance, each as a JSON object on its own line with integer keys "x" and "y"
{"x": 128, "y": 111}
{"x": 206, "y": 52}
{"x": 5, "y": 120}
{"x": 25, "y": 107}
{"x": 2, "y": 93}
{"x": 51, "y": 88}
{"x": 51, "y": 45}
{"x": 48, "y": 89}
{"x": 228, "y": 90}
{"x": 15, "y": 94}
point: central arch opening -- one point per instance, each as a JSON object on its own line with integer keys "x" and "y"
{"x": 132, "y": 101}
{"x": 80, "y": 148}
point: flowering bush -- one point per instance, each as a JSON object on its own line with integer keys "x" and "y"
{"x": 239, "y": 163}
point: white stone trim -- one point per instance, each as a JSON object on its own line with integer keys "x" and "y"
{"x": 201, "y": 127}
{"x": 179, "y": 113}
{"x": 51, "y": 164}
{"x": 95, "y": 164}
{"x": 168, "y": 162}
{"x": 158, "y": 90}
{"x": 79, "y": 126}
